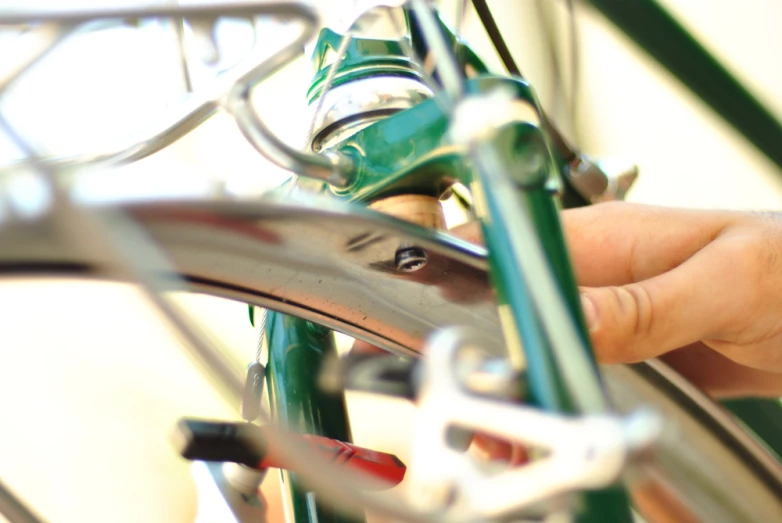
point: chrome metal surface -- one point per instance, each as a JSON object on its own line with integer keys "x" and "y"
{"x": 328, "y": 82}
{"x": 620, "y": 178}
{"x": 478, "y": 117}
{"x": 679, "y": 389}
{"x": 362, "y": 100}
{"x": 495, "y": 377}
{"x": 204, "y": 11}
{"x": 48, "y": 36}
{"x": 332, "y": 263}
{"x": 600, "y": 181}
{"x": 244, "y": 479}
{"x": 410, "y": 259}
{"x": 594, "y": 459}
{"x": 587, "y": 178}
{"x": 230, "y": 90}
{"x": 445, "y": 63}
{"x": 715, "y": 485}
{"x": 228, "y": 494}
{"x": 331, "y": 168}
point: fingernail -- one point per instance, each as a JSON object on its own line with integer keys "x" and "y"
{"x": 590, "y": 312}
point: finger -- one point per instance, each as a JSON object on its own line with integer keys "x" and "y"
{"x": 621, "y": 243}
{"x": 641, "y": 320}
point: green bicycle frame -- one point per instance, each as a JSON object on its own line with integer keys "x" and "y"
{"x": 297, "y": 348}
{"x": 411, "y": 152}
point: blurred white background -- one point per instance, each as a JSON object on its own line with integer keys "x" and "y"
{"x": 92, "y": 382}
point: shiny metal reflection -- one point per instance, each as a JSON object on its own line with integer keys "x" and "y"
{"x": 334, "y": 263}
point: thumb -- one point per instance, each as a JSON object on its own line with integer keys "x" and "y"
{"x": 634, "y": 322}
{"x": 620, "y": 321}
{"x": 624, "y": 323}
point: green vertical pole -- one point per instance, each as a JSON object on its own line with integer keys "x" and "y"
{"x": 522, "y": 152}
{"x": 297, "y": 348}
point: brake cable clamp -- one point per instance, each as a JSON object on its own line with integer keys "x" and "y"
{"x": 571, "y": 453}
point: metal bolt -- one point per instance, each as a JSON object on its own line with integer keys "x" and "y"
{"x": 410, "y": 259}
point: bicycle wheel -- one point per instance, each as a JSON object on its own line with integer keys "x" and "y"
{"x": 243, "y": 251}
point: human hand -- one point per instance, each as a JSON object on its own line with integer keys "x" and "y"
{"x": 702, "y": 289}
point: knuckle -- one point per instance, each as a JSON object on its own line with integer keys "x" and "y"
{"x": 626, "y": 322}
{"x": 640, "y": 308}
{"x": 755, "y": 246}
{"x": 751, "y": 262}
{"x": 748, "y": 259}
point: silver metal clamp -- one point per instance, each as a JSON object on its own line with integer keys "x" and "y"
{"x": 571, "y": 453}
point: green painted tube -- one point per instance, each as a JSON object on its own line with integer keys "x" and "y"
{"x": 521, "y": 152}
{"x": 297, "y": 348}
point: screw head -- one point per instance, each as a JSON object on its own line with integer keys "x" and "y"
{"x": 410, "y": 259}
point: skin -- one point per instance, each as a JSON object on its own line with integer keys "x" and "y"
{"x": 700, "y": 289}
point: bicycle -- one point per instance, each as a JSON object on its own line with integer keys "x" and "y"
{"x": 294, "y": 242}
